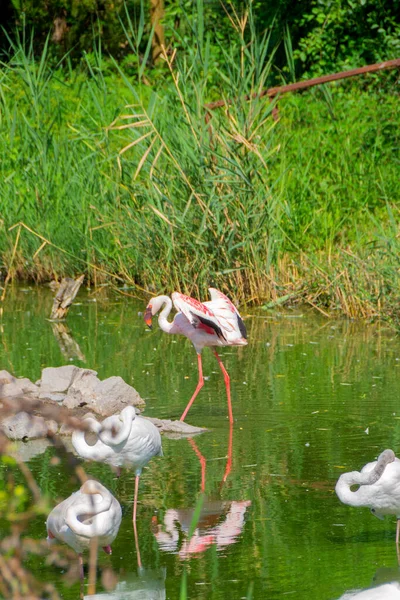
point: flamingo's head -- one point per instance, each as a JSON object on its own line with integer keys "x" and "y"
{"x": 148, "y": 314}
{"x": 153, "y": 307}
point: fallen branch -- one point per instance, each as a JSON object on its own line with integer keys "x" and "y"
{"x": 302, "y": 85}
{"x": 65, "y": 296}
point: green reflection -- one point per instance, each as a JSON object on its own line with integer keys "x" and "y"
{"x": 311, "y": 399}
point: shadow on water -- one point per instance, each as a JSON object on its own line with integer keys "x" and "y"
{"x": 311, "y": 399}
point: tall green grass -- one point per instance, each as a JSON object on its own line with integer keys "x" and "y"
{"x": 127, "y": 177}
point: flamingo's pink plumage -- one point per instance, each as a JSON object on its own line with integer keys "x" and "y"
{"x": 213, "y": 323}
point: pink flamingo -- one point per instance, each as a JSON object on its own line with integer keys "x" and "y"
{"x": 215, "y": 323}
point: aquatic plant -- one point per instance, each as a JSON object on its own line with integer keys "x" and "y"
{"x": 136, "y": 183}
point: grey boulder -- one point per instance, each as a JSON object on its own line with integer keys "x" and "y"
{"x": 103, "y": 397}
{"x": 178, "y": 428}
{"x": 24, "y": 426}
{"x": 56, "y": 381}
{"x": 13, "y": 386}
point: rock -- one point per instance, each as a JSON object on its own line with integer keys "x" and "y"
{"x": 82, "y": 390}
{"x": 103, "y": 397}
{"x": 180, "y": 428}
{"x": 13, "y": 386}
{"x": 114, "y": 394}
{"x": 52, "y": 426}
{"x": 6, "y": 377}
{"x": 27, "y": 386}
{"x": 65, "y": 429}
{"x": 55, "y": 397}
{"x": 25, "y": 451}
{"x": 56, "y": 381}
{"x": 24, "y": 426}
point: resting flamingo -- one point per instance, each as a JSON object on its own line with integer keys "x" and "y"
{"x": 124, "y": 439}
{"x": 379, "y": 487}
{"x": 91, "y": 512}
{"x": 387, "y": 591}
{"x": 215, "y": 323}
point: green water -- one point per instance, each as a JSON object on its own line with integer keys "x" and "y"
{"x": 311, "y": 399}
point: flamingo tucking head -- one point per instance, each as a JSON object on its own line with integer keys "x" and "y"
{"x": 148, "y": 316}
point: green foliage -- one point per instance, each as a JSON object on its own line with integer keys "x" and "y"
{"x": 347, "y": 34}
{"x": 73, "y": 24}
{"x": 16, "y": 502}
{"x": 13, "y": 497}
{"x": 326, "y": 35}
{"x": 117, "y": 167}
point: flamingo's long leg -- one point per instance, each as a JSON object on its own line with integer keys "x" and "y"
{"x": 227, "y": 385}
{"x": 139, "y": 560}
{"x": 229, "y": 456}
{"x": 398, "y": 531}
{"x": 198, "y": 388}
{"x": 202, "y": 463}
{"x": 135, "y": 498}
{"x": 81, "y": 571}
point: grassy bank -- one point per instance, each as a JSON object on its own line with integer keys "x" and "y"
{"x": 119, "y": 175}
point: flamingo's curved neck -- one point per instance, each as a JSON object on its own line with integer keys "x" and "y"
{"x": 344, "y": 491}
{"x": 80, "y": 444}
{"x": 87, "y": 509}
{"x": 164, "y": 324}
{"x": 119, "y": 428}
{"x": 365, "y": 480}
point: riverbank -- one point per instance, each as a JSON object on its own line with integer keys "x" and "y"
{"x": 152, "y": 198}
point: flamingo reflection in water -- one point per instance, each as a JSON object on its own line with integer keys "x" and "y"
{"x": 90, "y": 513}
{"x": 210, "y": 530}
{"x": 220, "y": 522}
{"x": 125, "y": 439}
{"x": 147, "y": 584}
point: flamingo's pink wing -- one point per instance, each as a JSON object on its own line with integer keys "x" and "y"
{"x": 197, "y": 313}
{"x": 229, "y": 530}
{"x": 198, "y": 543}
{"x": 217, "y": 295}
{"x": 226, "y": 312}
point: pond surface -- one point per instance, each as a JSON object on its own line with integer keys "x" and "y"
{"x": 312, "y": 398}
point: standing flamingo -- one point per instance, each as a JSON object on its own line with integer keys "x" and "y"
{"x": 215, "y": 323}
{"x": 124, "y": 439}
{"x": 379, "y": 487}
{"x": 91, "y": 512}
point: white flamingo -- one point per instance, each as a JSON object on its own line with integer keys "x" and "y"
{"x": 91, "y": 512}
{"x": 379, "y": 489}
{"x": 215, "y": 323}
{"x": 123, "y": 439}
{"x": 387, "y": 591}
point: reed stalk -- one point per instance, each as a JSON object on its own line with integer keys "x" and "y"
{"x": 134, "y": 180}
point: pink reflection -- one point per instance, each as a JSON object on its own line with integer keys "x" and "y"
{"x": 203, "y": 461}
{"x": 220, "y": 523}
{"x": 173, "y": 535}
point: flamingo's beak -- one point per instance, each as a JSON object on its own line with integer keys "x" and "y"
{"x": 107, "y": 549}
{"x": 148, "y": 316}
{"x": 50, "y": 538}
{"x": 155, "y": 527}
